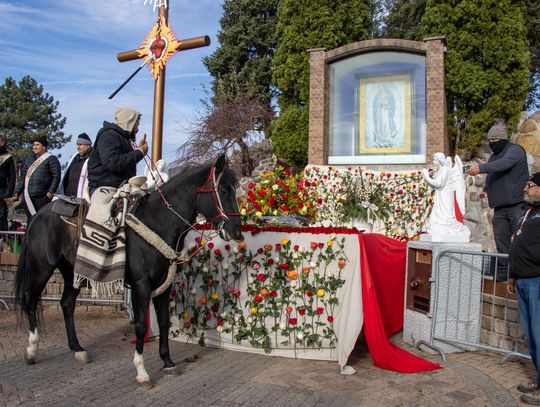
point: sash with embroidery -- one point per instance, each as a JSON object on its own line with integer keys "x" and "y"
{"x": 29, "y": 173}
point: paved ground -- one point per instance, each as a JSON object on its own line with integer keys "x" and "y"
{"x": 229, "y": 379}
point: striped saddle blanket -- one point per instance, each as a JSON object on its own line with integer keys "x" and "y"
{"x": 101, "y": 255}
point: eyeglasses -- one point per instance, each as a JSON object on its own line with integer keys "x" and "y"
{"x": 529, "y": 186}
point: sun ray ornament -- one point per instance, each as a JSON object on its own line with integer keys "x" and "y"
{"x": 159, "y": 45}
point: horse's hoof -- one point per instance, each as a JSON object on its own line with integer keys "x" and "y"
{"x": 82, "y": 357}
{"x": 172, "y": 371}
{"x": 145, "y": 384}
{"x": 29, "y": 360}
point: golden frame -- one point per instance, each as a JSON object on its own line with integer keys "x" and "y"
{"x": 400, "y": 86}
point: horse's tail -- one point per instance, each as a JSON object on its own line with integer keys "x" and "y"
{"x": 22, "y": 277}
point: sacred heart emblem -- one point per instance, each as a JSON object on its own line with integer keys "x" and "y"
{"x": 157, "y": 46}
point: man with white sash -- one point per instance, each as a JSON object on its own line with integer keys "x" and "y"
{"x": 39, "y": 178}
{"x": 75, "y": 182}
{"x": 7, "y": 180}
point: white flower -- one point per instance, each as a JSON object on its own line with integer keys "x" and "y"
{"x": 193, "y": 290}
{"x": 301, "y": 249}
{"x": 236, "y": 318}
{"x": 235, "y": 250}
{"x": 224, "y": 315}
{"x": 204, "y": 269}
{"x": 225, "y": 266}
{"x": 219, "y": 328}
{"x": 295, "y": 255}
{"x": 333, "y": 236}
{"x": 293, "y": 283}
{"x": 300, "y": 336}
{"x": 312, "y": 265}
{"x": 275, "y": 187}
{"x": 282, "y": 325}
{"x": 249, "y": 320}
{"x": 251, "y": 280}
{"x": 330, "y": 273}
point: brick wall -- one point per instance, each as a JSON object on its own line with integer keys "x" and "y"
{"x": 433, "y": 48}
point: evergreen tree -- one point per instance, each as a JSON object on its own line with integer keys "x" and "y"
{"x": 26, "y": 112}
{"x": 301, "y": 26}
{"x": 487, "y": 63}
{"x": 533, "y": 35}
{"x": 243, "y": 61}
{"x": 404, "y": 19}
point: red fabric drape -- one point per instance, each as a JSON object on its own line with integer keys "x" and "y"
{"x": 457, "y": 211}
{"x": 383, "y": 287}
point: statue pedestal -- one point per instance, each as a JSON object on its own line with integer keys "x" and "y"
{"x": 440, "y": 238}
{"x": 442, "y": 294}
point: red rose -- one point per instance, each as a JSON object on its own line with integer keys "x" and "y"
{"x": 227, "y": 247}
{"x": 210, "y": 245}
{"x": 309, "y": 293}
{"x": 273, "y": 293}
{"x": 313, "y": 245}
{"x": 287, "y": 172}
{"x": 210, "y": 282}
{"x": 330, "y": 318}
{"x": 320, "y": 310}
{"x": 214, "y": 308}
{"x": 302, "y": 311}
{"x": 217, "y": 252}
{"x": 255, "y": 265}
{"x": 321, "y": 245}
{"x": 270, "y": 262}
{"x": 296, "y": 247}
{"x": 284, "y": 266}
{"x": 236, "y": 293}
{"x": 288, "y": 310}
{"x": 208, "y": 316}
{"x": 278, "y": 246}
{"x": 261, "y": 277}
{"x": 219, "y": 322}
{"x": 260, "y": 250}
{"x": 173, "y": 293}
{"x": 258, "y": 298}
{"x": 293, "y": 321}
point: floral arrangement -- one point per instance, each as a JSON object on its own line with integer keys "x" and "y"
{"x": 403, "y": 199}
{"x": 278, "y": 193}
{"x": 289, "y": 300}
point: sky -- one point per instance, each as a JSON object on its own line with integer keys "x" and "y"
{"x": 70, "y": 47}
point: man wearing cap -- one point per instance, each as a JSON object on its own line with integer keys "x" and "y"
{"x": 507, "y": 173}
{"x": 40, "y": 177}
{"x": 75, "y": 182}
{"x": 7, "y": 180}
{"x": 114, "y": 158}
{"x": 524, "y": 261}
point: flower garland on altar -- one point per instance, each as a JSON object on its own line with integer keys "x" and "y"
{"x": 405, "y": 197}
{"x": 291, "y": 293}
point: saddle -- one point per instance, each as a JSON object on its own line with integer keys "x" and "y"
{"x": 70, "y": 206}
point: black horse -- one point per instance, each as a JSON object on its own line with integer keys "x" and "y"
{"x": 51, "y": 244}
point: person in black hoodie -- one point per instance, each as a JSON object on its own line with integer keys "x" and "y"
{"x": 524, "y": 264}
{"x": 507, "y": 173}
{"x": 114, "y": 158}
{"x": 7, "y": 181}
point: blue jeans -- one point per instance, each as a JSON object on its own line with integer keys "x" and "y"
{"x": 528, "y": 293}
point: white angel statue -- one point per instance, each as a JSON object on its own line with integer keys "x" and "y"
{"x": 160, "y": 175}
{"x": 445, "y": 223}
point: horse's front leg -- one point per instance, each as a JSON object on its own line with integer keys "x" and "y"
{"x": 68, "y": 302}
{"x": 161, "y": 305}
{"x": 141, "y": 300}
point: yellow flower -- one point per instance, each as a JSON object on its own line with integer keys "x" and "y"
{"x": 275, "y": 212}
{"x": 254, "y": 310}
{"x": 320, "y": 293}
{"x": 275, "y": 187}
{"x": 185, "y": 316}
{"x": 329, "y": 243}
{"x": 258, "y": 214}
{"x": 215, "y": 296}
{"x": 202, "y": 242}
{"x": 243, "y": 212}
{"x": 284, "y": 241}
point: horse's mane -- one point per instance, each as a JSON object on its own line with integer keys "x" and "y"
{"x": 198, "y": 175}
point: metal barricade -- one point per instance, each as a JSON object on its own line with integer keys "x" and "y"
{"x": 10, "y": 247}
{"x": 472, "y": 308}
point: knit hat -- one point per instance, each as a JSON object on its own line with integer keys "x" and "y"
{"x": 84, "y": 139}
{"x": 535, "y": 178}
{"x": 126, "y": 118}
{"x": 41, "y": 140}
{"x": 498, "y": 131}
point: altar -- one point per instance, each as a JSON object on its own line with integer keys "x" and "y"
{"x": 294, "y": 292}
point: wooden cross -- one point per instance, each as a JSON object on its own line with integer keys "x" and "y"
{"x": 159, "y": 84}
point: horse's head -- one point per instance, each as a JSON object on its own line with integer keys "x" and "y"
{"x": 216, "y": 201}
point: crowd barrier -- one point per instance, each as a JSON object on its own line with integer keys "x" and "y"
{"x": 10, "y": 248}
{"x": 456, "y": 303}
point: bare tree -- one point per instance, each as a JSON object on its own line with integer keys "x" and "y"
{"x": 227, "y": 123}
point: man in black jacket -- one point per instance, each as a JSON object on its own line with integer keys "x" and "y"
{"x": 75, "y": 182}
{"x": 114, "y": 158}
{"x": 507, "y": 173}
{"x": 39, "y": 179}
{"x": 524, "y": 261}
{"x": 7, "y": 181}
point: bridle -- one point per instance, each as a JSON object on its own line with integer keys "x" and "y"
{"x": 211, "y": 186}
